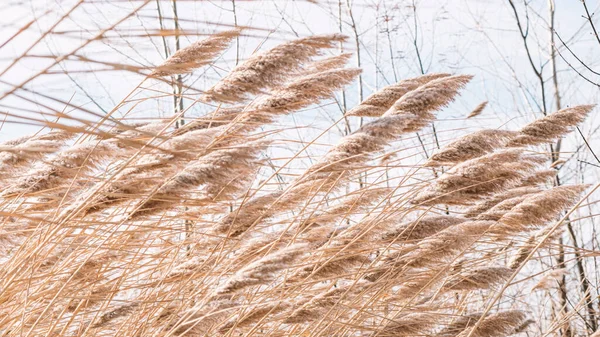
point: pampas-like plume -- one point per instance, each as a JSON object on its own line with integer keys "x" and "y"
{"x": 300, "y": 93}
{"x": 477, "y": 178}
{"x": 270, "y": 68}
{"x": 139, "y": 177}
{"x": 550, "y": 279}
{"x": 329, "y": 63}
{"x": 199, "y": 320}
{"x": 219, "y": 117}
{"x": 459, "y": 324}
{"x": 552, "y": 127}
{"x": 478, "y": 278}
{"x": 297, "y": 94}
{"x": 540, "y": 207}
{"x": 263, "y": 270}
{"x": 195, "y": 55}
{"x": 114, "y": 314}
{"x": 351, "y": 150}
{"x": 254, "y": 315}
{"x": 305, "y": 90}
{"x": 379, "y": 102}
{"x": 57, "y": 135}
{"x": 420, "y": 228}
{"x": 352, "y": 203}
{"x": 504, "y": 323}
{"x": 478, "y": 110}
{"x": 415, "y": 324}
{"x": 497, "y": 212}
{"x": 541, "y": 177}
{"x": 63, "y": 167}
{"x": 487, "y": 204}
{"x": 320, "y": 81}
{"x": 221, "y": 172}
{"x": 338, "y": 265}
{"x": 405, "y": 116}
{"x": 523, "y": 252}
{"x": 471, "y": 146}
{"x": 21, "y": 152}
{"x": 446, "y": 243}
{"x": 237, "y": 222}
{"x": 318, "y": 305}
{"x": 424, "y": 100}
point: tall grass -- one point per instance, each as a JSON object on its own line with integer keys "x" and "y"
{"x": 151, "y": 230}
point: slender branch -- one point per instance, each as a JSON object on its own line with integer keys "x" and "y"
{"x": 589, "y": 18}
{"x": 538, "y": 73}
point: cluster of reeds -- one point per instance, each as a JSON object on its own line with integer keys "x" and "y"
{"x": 152, "y": 230}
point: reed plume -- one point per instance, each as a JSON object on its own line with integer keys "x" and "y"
{"x": 520, "y": 256}
{"x": 504, "y": 323}
{"x": 269, "y": 68}
{"x": 60, "y": 169}
{"x": 263, "y": 270}
{"x": 421, "y": 228}
{"x": 329, "y": 63}
{"x": 487, "y": 204}
{"x": 550, "y": 279}
{"x": 379, "y": 102}
{"x": 540, "y": 207}
{"x": 459, "y": 324}
{"x": 221, "y": 172}
{"x": 315, "y": 307}
{"x": 470, "y": 181}
{"x": 19, "y": 153}
{"x": 447, "y": 242}
{"x": 478, "y": 278}
{"x": 305, "y": 90}
{"x": 196, "y": 55}
{"x": 478, "y": 110}
{"x": 551, "y": 127}
{"x": 408, "y": 325}
{"x": 471, "y": 146}
{"x": 424, "y": 100}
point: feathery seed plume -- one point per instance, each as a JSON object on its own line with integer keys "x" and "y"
{"x": 478, "y": 110}
{"x": 424, "y": 100}
{"x": 305, "y": 90}
{"x": 539, "y": 178}
{"x": 415, "y": 324}
{"x": 420, "y": 228}
{"x": 329, "y": 63}
{"x": 270, "y": 68}
{"x": 196, "y": 55}
{"x": 540, "y": 207}
{"x": 471, "y": 146}
{"x": 478, "y": 278}
{"x": 523, "y": 252}
{"x": 551, "y": 127}
{"x": 379, "y": 102}
{"x": 487, "y": 204}
{"x": 480, "y": 177}
{"x": 263, "y": 270}
{"x": 459, "y": 324}
{"x": 500, "y": 324}
{"x": 550, "y": 279}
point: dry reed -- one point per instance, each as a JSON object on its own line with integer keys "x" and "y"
{"x": 152, "y": 230}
